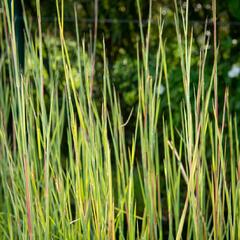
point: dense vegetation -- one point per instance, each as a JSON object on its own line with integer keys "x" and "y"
{"x": 144, "y": 148}
{"x": 118, "y": 23}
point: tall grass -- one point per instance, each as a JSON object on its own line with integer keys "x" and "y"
{"x": 100, "y": 186}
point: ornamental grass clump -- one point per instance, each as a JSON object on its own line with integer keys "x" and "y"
{"x": 67, "y": 169}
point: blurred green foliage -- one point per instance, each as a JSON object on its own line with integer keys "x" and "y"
{"x": 118, "y": 25}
